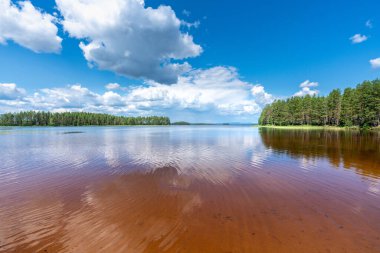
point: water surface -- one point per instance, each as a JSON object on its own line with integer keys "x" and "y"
{"x": 188, "y": 189}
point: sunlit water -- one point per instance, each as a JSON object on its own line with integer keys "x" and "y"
{"x": 188, "y": 189}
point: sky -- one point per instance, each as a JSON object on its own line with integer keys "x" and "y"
{"x": 197, "y": 61}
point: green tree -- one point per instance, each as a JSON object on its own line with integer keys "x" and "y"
{"x": 356, "y": 107}
{"x": 33, "y": 118}
{"x": 334, "y": 107}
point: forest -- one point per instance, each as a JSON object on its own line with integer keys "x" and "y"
{"x": 40, "y": 118}
{"x": 358, "y": 106}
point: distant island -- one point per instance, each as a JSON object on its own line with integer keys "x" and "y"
{"x": 181, "y": 123}
{"x": 185, "y": 123}
{"x": 356, "y": 107}
{"x": 36, "y": 118}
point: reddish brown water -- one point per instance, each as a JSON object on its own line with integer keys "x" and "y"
{"x": 189, "y": 189}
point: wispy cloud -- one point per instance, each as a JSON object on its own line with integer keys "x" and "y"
{"x": 112, "y": 86}
{"x": 189, "y": 25}
{"x": 307, "y": 83}
{"x": 358, "y": 38}
{"x": 369, "y": 24}
{"x": 186, "y": 13}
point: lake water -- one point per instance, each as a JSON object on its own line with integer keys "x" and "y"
{"x": 205, "y": 189}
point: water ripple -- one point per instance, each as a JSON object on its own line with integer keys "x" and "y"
{"x": 192, "y": 189}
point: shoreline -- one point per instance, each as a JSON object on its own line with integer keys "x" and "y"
{"x": 309, "y": 127}
{"x": 174, "y": 125}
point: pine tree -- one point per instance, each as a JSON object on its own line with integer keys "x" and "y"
{"x": 356, "y": 107}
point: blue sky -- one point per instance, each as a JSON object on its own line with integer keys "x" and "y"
{"x": 243, "y": 54}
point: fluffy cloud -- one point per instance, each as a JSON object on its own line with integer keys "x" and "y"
{"x": 375, "y": 63}
{"x": 307, "y": 88}
{"x": 76, "y": 98}
{"x": 9, "y": 91}
{"x": 128, "y": 38}
{"x": 260, "y": 96}
{"x": 28, "y": 27}
{"x": 214, "y": 91}
{"x": 217, "y": 89}
{"x": 358, "y": 38}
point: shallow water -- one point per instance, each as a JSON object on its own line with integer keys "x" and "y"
{"x": 188, "y": 189}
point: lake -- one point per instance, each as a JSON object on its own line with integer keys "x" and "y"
{"x": 188, "y": 189}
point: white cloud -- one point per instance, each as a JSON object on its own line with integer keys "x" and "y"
{"x": 307, "y": 88}
{"x": 9, "y": 91}
{"x": 375, "y": 63}
{"x": 358, "y": 38}
{"x": 189, "y": 25}
{"x": 307, "y": 83}
{"x": 306, "y": 91}
{"x": 214, "y": 91}
{"x": 71, "y": 97}
{"x": 112, "y": 86}
{"x": 28, "y": 27}
{"x": 261, "y": 97}
{"x": 111, "y": 98}
{"x": 128, "y": 38}
{"x": 217, "y": 89}
{"x": 369, "y": 24}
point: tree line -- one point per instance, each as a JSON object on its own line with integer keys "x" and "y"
{"x": 37, "y": 118}
{"x": 358, "y": 106}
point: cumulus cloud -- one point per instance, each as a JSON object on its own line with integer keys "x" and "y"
{"x": 128, "y": 38}
{"x": 214, "y": 91}
{"x": 260, "y": 96}
{"x": 28, "y": 27}
{"x": 375, "y": 63}
{"x": 307, "y": 88}
{"x": 77, "y": 98}
{"x": 70, "y": 97}
{"x": 9, "y": 91}
{"x": 358, "y": 38}
{"x": 217, "y": 89}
